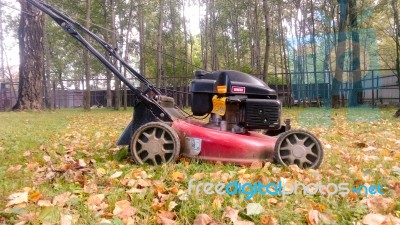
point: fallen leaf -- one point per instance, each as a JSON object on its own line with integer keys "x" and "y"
{"x": 13, "y": 169}
{"x": 396, "y": 188}
{"x": 166, "y": 221}
{"x": 62, "y": 199}
{"x": 166, "y": 217}
{"x": 95, "y": 202}
{"x": 198, "y": 176}
{"x": 359, "y": 144}
{"x": 390, "y": 220}
{"x": 379, "y": 204}
{"x": 34, "y": 197}
{"x": 256, "y": 165}
{"x": 268, "y": 220}
{"x": 44, "y": 203}
{"x": 90, "y": 187}
{"x": 172, "y": 205}
{"x": 177, "y": 176}
{"x": 241, "y": 222}
{"x": 315, "y": 217}
{"x": 116, "y": 175}
{"x": 231, "y": 213}
{"x": 66, "y": 219}
{"x": 202, "y": 219}
{"x": 17, "y": 198}
{"x": 272, "y": 200}
{"x": 100, "y": 172}
{"x": 369, "y": 149}
{"x": 105, "y": 221}
{"x": 217, "y": 202}
{"x": 373, "y": 219}
{"x": 312, "y": 217}
{"x": 81, "y": 163}
{"x": 254, "y": 209}
{"x": 144, "y": 183}
{"x": 124, "y": 209}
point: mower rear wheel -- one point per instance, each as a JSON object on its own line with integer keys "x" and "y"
{"x": 154, "y": 143}
{"x": 299, "y": 147}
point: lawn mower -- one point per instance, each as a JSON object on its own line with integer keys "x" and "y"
{"x": 244, "y": 114}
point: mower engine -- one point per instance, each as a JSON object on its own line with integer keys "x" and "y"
{"x": 237, "y": 102}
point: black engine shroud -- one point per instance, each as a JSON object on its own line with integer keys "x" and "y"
{"x": 250, "y": 102}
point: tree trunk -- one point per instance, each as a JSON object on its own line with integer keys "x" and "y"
{"x": 86, "y": 59}
{"x": 397, "y": 39}
{"x": 213, "y": 34}
{"x": 185, "y": 33}
{"x": 142, "y": 40}
{"x": 340, "y": 51}
{"x": 128, "y": 32}
{"x": 356, "y": 92}
{"x": 267, "y": 39}
{"x": 108, "y": 72}
{"x": 160, "y": 43}
{"x": 47, "y": 68}
{"x": 2, "y": 69}
{"x": 314, "y": 49}
{"x": 30, "y": 37}
{"x": 117, "y": 100}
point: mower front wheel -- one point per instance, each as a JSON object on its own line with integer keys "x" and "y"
{"x": 299, "y": 147}
{"x": 154, "y": 143}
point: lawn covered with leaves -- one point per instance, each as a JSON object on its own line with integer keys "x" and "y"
{"x": 63, "y": 167}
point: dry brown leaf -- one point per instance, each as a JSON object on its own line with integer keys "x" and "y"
{"x": 166, "y": 217}
{"x": 178, "y": 176}
{"x": 198, "y": 176}
{"x": 172, "y": 205}
{"x": 28, "y": 217}
{"x": 95, "y": 202}
{"x": 390, "y": 220}
{"x": 359, "y": 144}
{"x": 35, "y": 196}
{"x": 202, "y": 219}
{"x": 268, "y": 220}
{"x": 62, "y": 199}
{"x": 312, "y": 217}
{"x": 395, "y": 187}
{"x": 13, "y": 169}
{"x": 373, "y": 219}
{"x": 116, "y": 175}
{"x": 123, "y": 209}
{"x": 241, "y": 222}
{"x": 256, "y": 165}
{"x": 144, "y": 183}
{"x": 90, "y": 187}
{"x": 231, "y": 213}
{"x": 379, "y": 204}
{"x": 272, "y": 200}
{"x": 66, "y": 220}
{"x": 166, "y": 221}
{"x": 315, "y": 217}
{"x": 44, "y": 203}
{"x": 216, "y": 175}
{"x": 17, "y": 198}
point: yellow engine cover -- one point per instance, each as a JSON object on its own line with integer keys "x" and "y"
{"x": 219, "y": 105}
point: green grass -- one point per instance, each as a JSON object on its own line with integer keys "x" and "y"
{"x": 91, "y": 136}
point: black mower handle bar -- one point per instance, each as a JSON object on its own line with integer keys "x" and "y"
{"x": 69, "y": 25}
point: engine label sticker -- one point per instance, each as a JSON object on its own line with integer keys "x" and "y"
{"x": 237, "y": 89}
{"x": 193, "y": 145}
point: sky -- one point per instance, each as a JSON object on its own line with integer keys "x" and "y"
{"x": 11, "y": 8}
